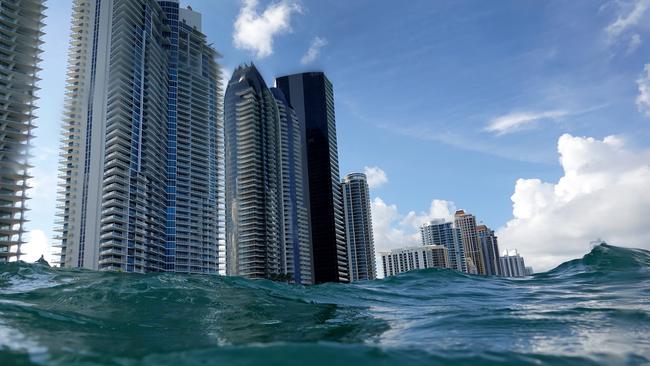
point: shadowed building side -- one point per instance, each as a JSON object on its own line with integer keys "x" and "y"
{"x": 358, "y": 227}
{"x": 254, "y": 213}
{"x": 297, "y": 231}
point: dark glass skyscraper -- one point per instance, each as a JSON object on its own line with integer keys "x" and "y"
{"x": 312, "y": 97}
{"x": 254, "y": 214}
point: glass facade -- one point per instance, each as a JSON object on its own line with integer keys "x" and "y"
{"x": 149, "y": 138}
{"x": 312, "y": 97}
{"x": 439, "y": 232}
{"x": 294, "y": 190}
{"x": 255, "y": 244}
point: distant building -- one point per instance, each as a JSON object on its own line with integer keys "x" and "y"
{"x": 439, "y": 232}
{"x": 312, "y": 97}
{"x": 358, "y": 227}
{"x": 529, "y": 271}
{"x": 513, "y": 265}
{"x": 407, "y": 259}
{"x": 473, "y": 253}
{"x": 490, "y": 249}
{"x": 22, "y": 24}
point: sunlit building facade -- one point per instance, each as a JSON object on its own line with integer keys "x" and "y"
{"x": 473, "y": 254}
{"x": 403, "y": 260}
{"x": 142, "y": 143}
{"x": 440, "y": 232}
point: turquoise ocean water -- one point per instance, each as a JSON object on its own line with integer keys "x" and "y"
{"x": 589, "y": 311}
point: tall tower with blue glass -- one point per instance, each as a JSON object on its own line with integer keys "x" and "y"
{"x": 142, "y": 126}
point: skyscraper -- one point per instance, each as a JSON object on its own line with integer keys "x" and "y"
{"x": 254, "y": 196}
{"x": 513, "y": 265}
{"x": 312, "y": 97}
{"x": 439, "y": 232}
{"x": 295, "y": 190}
{"x": 473, "y": 254}
{"x": 358, "y": 227}
{"x": 490, "y": 249}
{"x": 403, "y": 260}
{"x": 20, "y": 38}
{"x": 142, "y": 141}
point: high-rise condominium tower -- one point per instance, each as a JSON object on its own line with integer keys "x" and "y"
{"x": 473, "y": 253}
{"x": 20, "y": 42}
{"x": 142, "y": 141}
{"x": 490, "y": 249}
{"x": 514, "y": 265}
{"x": 439, "y": 232}
{"x": 295, "y": 191}
{"x": 254, "y": 212}
{"x": 358, "y": 227}
{"x": 312, "y": 97}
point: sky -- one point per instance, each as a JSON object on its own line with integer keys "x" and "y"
{"x": 532, "y": 115}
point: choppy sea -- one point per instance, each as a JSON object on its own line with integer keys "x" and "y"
{"x": 589, "y": 311}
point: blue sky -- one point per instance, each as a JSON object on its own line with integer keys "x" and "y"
{"x": 452, "y": 100}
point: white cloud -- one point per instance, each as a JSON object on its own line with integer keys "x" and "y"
{"x": 37, "y": 245}
{"x": 255, "y": 32}
{"x": 635, "y": 42}
{"x": 515, "y": 121}
{"x": 376, "y": 176}
{"x": 643, "y": 99}
{"x": 391, "y": 229}
{"x": 630, "y": 14}
{"x": 314, "y": 50}
{"x": 604, "y": 193}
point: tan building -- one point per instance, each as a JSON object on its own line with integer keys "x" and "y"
{"x": 467, "y": 224}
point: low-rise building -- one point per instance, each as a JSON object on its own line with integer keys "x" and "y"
{"x": 403, "y": 260}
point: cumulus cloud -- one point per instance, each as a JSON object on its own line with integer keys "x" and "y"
{"x": 256, "y": 31}
{"x": 603, "y": 194}
{"x": 376, "y": 176}
{"x": 314, "y": 50}
{"x": 643, "y": 99}
{"x": 515, "y": 121}
{"x": 392, "y": 229}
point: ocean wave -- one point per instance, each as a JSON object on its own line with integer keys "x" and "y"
{"x": 594, "y": 310}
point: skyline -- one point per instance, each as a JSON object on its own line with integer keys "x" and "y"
{"x": 505, "y": 134}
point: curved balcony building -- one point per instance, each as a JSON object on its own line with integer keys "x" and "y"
{"x": 254, "y": 196}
